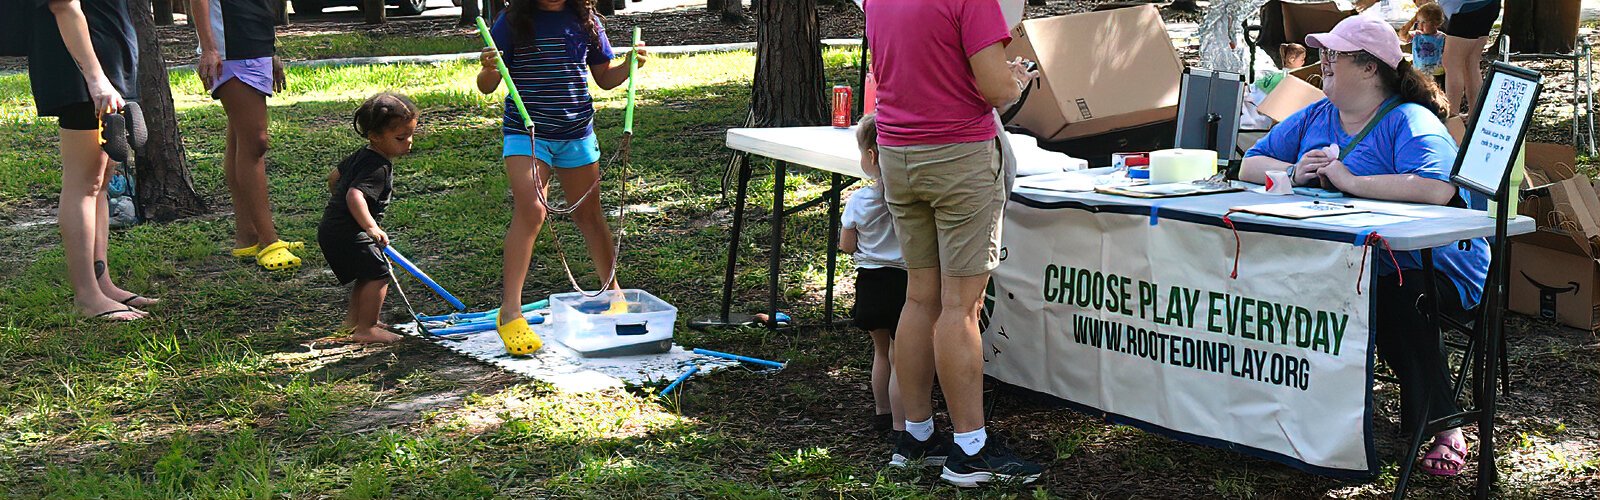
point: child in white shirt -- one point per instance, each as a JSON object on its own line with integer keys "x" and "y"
{"x": 869, "y": 237}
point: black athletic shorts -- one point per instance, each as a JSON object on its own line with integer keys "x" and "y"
{"x": 352, "y": 256}
{"x": 80, "y": 116}
{"x": 1475, "y": 24}
{"x": 880, "y": 295}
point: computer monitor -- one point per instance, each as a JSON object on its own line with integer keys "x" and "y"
{"x": 1209, "y": 104}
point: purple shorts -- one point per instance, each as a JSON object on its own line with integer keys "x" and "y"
{"x": 257, "y": 73}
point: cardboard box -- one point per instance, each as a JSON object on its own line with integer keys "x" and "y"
{"x": 1554, "y": 271}
{"x": 1551, "y": 279}
{"x": 1304, "y": 18}
{"x": 1289, "y": 97}
{"x": 1310, "y": 74}
{"x": 1099, "y": 72}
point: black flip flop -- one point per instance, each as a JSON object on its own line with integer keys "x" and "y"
{"x": 107, "y": 315}
{"x": 137, "y": 297}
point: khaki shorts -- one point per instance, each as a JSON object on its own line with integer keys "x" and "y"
{"x": 946, "y": 201}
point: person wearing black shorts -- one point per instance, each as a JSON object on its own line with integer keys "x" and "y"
{"x": 82, "y": 63}
{"x": 868, "y": 235}
{"x": 359, "y": 192}
{"x": 1466, "y": 30}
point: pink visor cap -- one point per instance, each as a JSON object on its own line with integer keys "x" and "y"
{"x": 1362, "y": 33}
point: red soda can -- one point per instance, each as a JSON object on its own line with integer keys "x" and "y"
{"x": 841, "y": 106}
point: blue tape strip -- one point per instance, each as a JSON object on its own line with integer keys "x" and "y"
{"x": 1155, "y": 211}
{"x": 1361, "y": 237}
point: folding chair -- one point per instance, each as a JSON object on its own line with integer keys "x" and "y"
{"x": 1483, "y": 351}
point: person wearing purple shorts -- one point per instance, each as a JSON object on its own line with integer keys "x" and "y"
{"x": 239, "y": 65}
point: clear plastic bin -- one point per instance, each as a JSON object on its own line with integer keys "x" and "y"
{"x": 589, "y": 325}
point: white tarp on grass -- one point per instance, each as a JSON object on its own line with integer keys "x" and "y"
{"x": 567, "y": 371}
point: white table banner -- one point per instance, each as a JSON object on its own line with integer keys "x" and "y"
{"x": 1139, "y": 318}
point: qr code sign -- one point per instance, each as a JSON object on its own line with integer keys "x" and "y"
{"x": 1505, "y": 105}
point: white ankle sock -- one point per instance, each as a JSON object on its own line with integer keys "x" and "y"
{"x": 920, "y": 430}
{"x": 972, "y": 442}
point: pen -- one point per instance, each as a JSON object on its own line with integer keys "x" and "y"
{"x": 1331, "y": 204}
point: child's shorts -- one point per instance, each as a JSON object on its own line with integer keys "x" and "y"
{"x": 353, "y": 256}
{"x": 257, "y": 73}
{"x": 559, "y": 154}
{"x": 880, "y": 295}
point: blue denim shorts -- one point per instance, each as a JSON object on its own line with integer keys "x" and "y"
{"x": 559, "y": 154}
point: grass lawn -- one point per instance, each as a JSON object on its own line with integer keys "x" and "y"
{"x": 234, "y": 391}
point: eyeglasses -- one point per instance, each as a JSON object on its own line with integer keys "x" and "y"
{"x": 1330, "y": 56}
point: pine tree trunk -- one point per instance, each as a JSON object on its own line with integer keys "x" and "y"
{"x": 163, "y": 12}
{"x": 165, "y": 187}
{"x": 733, "y": 12}
{"x": 469, "y": 11}
{"x": 376, "y": 10}
{"x": 788, "y": 82}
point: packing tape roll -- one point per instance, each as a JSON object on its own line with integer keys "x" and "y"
{"x": 1182, "y": 165}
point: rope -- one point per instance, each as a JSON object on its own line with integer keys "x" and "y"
{"x": 623, "y": 152}
{"x": 1367, "y": 248}
{"x": 1237, "y": 243}
{"x": 394, "y": 280}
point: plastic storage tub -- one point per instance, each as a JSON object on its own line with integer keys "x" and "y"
{"x": 587, "y": 324}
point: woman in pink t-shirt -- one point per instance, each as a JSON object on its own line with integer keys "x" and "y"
{"x": 942, "y": 73}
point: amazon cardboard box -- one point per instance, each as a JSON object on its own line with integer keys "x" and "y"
{"x": 1554, "y": 271}
{"x": 1099, "y": 72}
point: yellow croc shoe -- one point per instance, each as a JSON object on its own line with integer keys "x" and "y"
{"x": 518, "y": 337}
{"x": 251, "y": 251}
{"x": 277, "y": 257}
{"x": 248, "y": 252}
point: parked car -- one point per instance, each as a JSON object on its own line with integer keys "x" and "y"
{"x": 407, "y": 7}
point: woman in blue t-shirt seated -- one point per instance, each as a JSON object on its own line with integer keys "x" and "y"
{"x": 1384, "y": 117}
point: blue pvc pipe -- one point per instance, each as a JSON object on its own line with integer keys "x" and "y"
{"x": 736, "y": 357}
{"x": 468, "y": 317}
{"x": 406, "y": 264}
{"x": 477, "y": 327}
{"x": 681, "y": 378}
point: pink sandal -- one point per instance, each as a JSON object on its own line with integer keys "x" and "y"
{"x": 1451, "y": 453}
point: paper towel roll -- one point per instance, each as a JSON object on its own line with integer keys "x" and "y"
{"x": 1182, "y": 165}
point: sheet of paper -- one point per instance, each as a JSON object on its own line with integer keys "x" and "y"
{"x": 1363, "y": 220}
{"x": 1069, "y": 182}
{"x": 1411, "y": 210}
